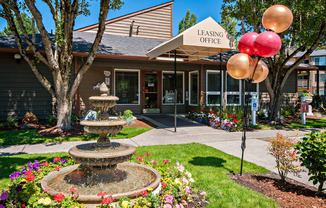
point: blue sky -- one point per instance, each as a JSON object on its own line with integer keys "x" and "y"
{"x": 201, "y": 8}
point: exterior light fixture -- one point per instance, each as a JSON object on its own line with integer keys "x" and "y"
{"x": 17, "y": 57}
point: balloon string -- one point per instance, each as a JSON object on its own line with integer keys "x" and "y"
{"x": 253, "y": 74}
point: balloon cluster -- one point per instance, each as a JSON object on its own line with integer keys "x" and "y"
{"x": 276, "y": 19}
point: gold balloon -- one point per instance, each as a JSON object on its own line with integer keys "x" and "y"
{"x": 260, "y": 73}
{"x": 240, "y": 66}
{"x": 277, "y": 18}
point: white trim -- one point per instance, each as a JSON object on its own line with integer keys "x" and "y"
{"x": 213, "y": 92}
{"x": 183, "y": 87}
{"x": 128, "y": 70}
{"x": 193, "y": 72}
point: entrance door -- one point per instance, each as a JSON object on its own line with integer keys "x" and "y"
{"x": 151, "y": 93}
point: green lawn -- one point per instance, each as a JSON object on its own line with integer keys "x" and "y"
{"x": 208, "y": 166}
{"x": 30, "y": 137}
{"x": 310, "y": 123}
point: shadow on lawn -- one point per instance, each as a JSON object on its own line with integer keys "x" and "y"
{"x": 209, "y": 161}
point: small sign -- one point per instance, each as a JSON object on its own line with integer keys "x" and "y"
{"x": 150, "y": 84}
{"x": 107, "y": 73}
{"x": 107, "y": 80}
{"x": 254, "y": 104}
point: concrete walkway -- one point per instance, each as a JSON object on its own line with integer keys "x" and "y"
{"x": 228, "y": 142}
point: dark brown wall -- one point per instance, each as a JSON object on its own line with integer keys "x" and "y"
{"x": 20, "y": 91}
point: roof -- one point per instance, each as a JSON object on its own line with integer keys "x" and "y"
{"x": 314, "y": 53}
{"x": 126, "y": 16}
{"x": 110, "y": 44}
{"x": 197, "y": 42}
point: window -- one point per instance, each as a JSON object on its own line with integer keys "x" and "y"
{"x": 320, "y": 61}
{"x": 302, "y": 81}
{"x": 168, "y": 87}
{"x": 321, "y": 78}
{"x": 193, "y": 88}
{"x": 232, "y": 91}
{"x": 127, "y": 86}
{"x": 251, "y": 88}
{"x": 213, "y": 97}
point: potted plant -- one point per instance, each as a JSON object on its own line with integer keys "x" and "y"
{"x": 307, "y": 96}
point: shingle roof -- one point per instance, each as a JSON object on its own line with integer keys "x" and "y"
{"x": 110, "y": 44}
{"x": 314, "y": 53}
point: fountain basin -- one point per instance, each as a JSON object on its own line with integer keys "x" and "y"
{"x": 103, "y": 126}
{"x": 94, "y": 155}
{"x": 139, "y": 178}
{"x": 104, "y": 102}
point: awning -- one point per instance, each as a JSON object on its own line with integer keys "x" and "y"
{"x": 205, "y": 39}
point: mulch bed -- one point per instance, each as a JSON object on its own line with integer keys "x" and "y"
{"x": 288, "y": 194}
{"x": 78, "y": 130}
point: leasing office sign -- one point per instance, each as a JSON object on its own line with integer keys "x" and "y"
{"x": 209, "y": 36}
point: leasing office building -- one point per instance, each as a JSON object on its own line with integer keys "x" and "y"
{"x": 143, "y": 85}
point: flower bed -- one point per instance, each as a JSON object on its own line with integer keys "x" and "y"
{"x": 230, "y": 122}
{"x": 25, "y": 190}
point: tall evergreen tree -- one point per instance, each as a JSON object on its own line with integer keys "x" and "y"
{"x": 27, "y": 22}
{"x": 187, "y": 21}
{"x": 229, "y": 24}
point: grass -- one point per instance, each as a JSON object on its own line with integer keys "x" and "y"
{"x": 208, "y": 166}
{"x": 310, "y": 123}
{"x": 30, "y": 137}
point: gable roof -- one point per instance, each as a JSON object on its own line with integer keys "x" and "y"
{"x": 126, "y": 16}
{"x": 314, "y": 53}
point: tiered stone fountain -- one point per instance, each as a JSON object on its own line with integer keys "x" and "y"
{"x": 102, "y": 166}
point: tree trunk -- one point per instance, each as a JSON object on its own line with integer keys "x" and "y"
{"x": 64, "y": 110}
{"x": 274, "y": 107}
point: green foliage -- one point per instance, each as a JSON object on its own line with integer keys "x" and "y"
{"x": 187, "y": 21}
{"x": 312, "y": 150}
{"x": 282, "y": 149}
{"x": 27, "y": 24}
{"x": 229, "y": 24}
{"x": 74, "y": 118}
{"x": 30, "y": 118}
{"x": 51, "y": 120}
{"x": 261, "y": 115}
{"x": 11, "y": 121}
{"x": 128, "y": 117}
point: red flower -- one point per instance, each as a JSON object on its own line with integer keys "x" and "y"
{"x": 76, "y": 196}
{"x": 111, "y": 193}
{"x": 101, "y": 194}
{"x": 57, "y": 168}
{"x": 58, "y": 159}
{"x": 29, "y": 172}
{"x": 235, "y": 120}
{"x": 30, "y": 177}
{"x": 165, "y": 161}
{"x": 72, "y": 190}
{"x": 23, "y": 205}
{"x": 147, "y": 154}
{"x": 46, "y": 190}
{"x": 59, "y": 197}
{"x": 144, "y": 193}
{"x": 135, "y": 152}
{"x": 69, "y": 155}
{"x": 107, "y": 200}
{"x": 46, "y": 164}
{"x": 164, "y": 185}
{"x": 234, "y": 115}
{"x": 139, "y": 159}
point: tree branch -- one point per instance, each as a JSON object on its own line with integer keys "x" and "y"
{"x": 104, "y": 5}
{"x": 301, "y": 48}
{"x": 320, "y": 35}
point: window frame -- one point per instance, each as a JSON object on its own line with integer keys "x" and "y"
{"x": 115, "y": 81}
{"x": 213, "y": 92}
{"x": 183, "y": 87}
{"x": 193, "y": 72}
{"x": 233, "y": 92}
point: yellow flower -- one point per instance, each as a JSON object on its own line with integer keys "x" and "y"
{"x": 177, "y": 181}
{"x": 40, "y": 201}
{"x": 47, "y": 201}
{"x": 125, "y": 204}
{"x": 149, "y": 189}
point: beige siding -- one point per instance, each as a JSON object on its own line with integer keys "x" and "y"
{"x": 20, "y": 91}
{"x": 153, "y": 24}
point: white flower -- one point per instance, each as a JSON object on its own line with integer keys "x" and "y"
{"x": 191, "y": 180}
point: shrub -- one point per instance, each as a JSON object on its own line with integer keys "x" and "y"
{"x": 30, "y": 118}
{"x": 11, "y": 121}
{"x": 313, "y": 156}
{"x": 128, "y": 117}
{"x": 282, "y": 149}
{"x": 52, "y": 120}
{"x": 74, "y": 119}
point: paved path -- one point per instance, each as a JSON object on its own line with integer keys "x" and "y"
{"x": 228, "y": 142}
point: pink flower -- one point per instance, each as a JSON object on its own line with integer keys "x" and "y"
{"x": 167, "y": 206}
{"x": 169, "y": 199}
{"x": 179, "y": 206}
{"x": 184, "y": 202}
{"x": 187, "y": 190}
{"x": 203, "y": 193}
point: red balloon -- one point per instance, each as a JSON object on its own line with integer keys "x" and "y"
{"x": 267, "y": 44}
{"x": 246, "y": 43}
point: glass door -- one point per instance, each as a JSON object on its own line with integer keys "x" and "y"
{"x": 151, "y": 93}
